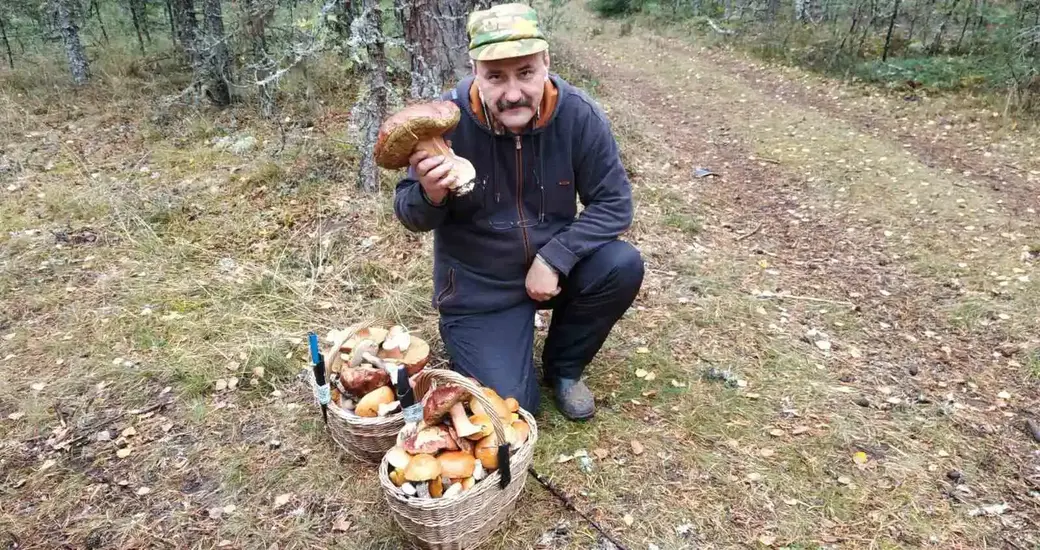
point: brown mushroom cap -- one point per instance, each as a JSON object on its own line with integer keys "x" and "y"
{"x": 440, "y": 401}
{"x": 423, "y": 467}
{"x": 486, "y": 427}
{"x": 457, "y": 464}
{"x": 512, "y": 404}
{"x": 399, "y": 134}
{"x": 416, "y": 356}
{"x": 501, "y": 408}
{"x": 369, "y": 404}
{"x": 430, "y": 440}
{"x": 363, "y": 379}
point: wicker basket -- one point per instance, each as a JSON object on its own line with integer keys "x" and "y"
{"x": 364, "y": 438}
{"x": 469, "y": 519}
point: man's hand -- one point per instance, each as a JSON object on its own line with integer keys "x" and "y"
{"x": 542, "y": 281}
{"x": 433, "y": 175}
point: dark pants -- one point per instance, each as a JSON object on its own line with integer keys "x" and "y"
{"x": 497, "y": 348}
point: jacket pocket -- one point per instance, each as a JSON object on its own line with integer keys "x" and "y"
{"x": 560, "y": 199}
{"x": 448, "y": 290}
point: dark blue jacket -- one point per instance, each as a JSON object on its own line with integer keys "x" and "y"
{"x": 524, "y": 202}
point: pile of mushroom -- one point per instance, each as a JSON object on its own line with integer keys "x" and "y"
{"x": 364, "y": 369}
{"x": 454, "y": 446}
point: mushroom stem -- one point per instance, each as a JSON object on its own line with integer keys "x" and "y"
{"x": 462, "y": 168}
{"x": 463, "y": 427}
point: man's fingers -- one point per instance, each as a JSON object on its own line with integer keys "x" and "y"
{"x": 439, "y": 172}
{"x": 418, "y": 157}
{"x": 428, "y": 165}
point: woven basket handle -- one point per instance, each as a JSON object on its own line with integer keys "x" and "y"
{"x": 424, "y": 382}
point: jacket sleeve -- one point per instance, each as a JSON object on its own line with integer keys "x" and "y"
{"x": 413, "y": 207}
{"x": 605, "y": 192}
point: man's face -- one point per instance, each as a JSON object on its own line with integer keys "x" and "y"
{"x": 513, "y": 87}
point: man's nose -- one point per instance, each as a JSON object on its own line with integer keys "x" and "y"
{"x": 513, "y": 93}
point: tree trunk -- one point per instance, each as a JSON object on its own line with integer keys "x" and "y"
{"x": 218, "y": 61}
{"x": 78, "y": 64}
{"x": 3, "y": 34}
{"x": 137, "y": 24}
{"x": 772, "y": 9}
{"x": 173, "y": 26}
{"x": 258, "y": 14}
{"x": 435, "y": 38}
{"x": 372, "y": 106}
{"x": 891, "y": 25}
{"x": 186, "y": 29}
{"x": 345, "y": 12}
{"x": 937, "y": 43}
{"x": 97, "y": 13}
{"x": 964, "y": 28}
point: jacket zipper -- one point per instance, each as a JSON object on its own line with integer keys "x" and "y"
{"x": 520, "y": 197}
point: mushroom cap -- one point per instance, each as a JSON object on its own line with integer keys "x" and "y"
{"x": 401, "y": 131}
{"x": 501, "y": 408}
{"x": 522, "y": 430}
{"x": 512, "y": 404}
{"x": 416, "y": 356}
{"x": 398, "y": 457}
{"x": 369, "y": 404}
{"x": 361, "y": 380}
{"x": 423, "y": 467}
{"x": 430, "y": 440}
{"x": 486, "y": 427}
{"x": 440, "y": 401}
{"x": 457, "y": 464}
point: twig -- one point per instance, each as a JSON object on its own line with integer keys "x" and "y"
{"x": 750, "y": 233}
{"x": 810, "y": 299}
{"x": 567, "y": 501}
{"x": 89, "y": 430}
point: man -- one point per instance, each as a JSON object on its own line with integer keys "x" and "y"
{"x": 515, "y": 243}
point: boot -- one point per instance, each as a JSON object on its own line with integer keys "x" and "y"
{"x": 574, "y": 399}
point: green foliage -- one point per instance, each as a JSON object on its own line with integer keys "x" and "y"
{"x": 614, "y": 8}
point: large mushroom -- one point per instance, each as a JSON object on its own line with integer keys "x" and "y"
{"x": 430, "y": 440}
{"x": 501, "y": 408}
{"x": 363, "y": 379}
{"x": 421, "y": 469}
{"x": 422, "y": 126}
{"x": 370, "y": 403}
{"x": 449, "y": 399}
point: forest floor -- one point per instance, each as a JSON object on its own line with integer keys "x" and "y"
{"x": 835, "y": 345}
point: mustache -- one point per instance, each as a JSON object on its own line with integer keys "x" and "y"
{"x": 507, "y": 105}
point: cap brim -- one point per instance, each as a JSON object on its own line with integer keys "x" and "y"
{"x": 511, "y": 48}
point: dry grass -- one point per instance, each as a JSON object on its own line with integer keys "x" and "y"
{"x": 140, "y": 265}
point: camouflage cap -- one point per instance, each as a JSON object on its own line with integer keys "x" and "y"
{"x": 505, "y": 30}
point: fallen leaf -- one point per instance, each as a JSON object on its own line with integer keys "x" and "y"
{"x": 1004, "y": 395}
{"x": 601, "y": 453}
{"x": 637, "y": 447}
{"x": 221, "y": 384}
{"x": 341, "y": 524}
{"x": 129, "y": 432}
{"x": 16, "y": 415}
{"x": 678, "y": 384}
{"x": 640, "y": 373}
{"x": 650, "y": 376}
{"x": 766, "y": 453}
{"x": 628, "y": 519}
{"x": 742, "y": 383}
{"x": 216, "y": 512}
{"x": 823, "y": 345}
{"x": 752, "y": 395}
{"x": 754, "y": 476}
{"x": 767, "y": 540}
{"x": 230, "y": 508}
{"x": 776, "y": 432}
{"x": 124, "y": 452}
{"x": 258, "y": 372}
{"x": 860, "y": 458}
{"x": 799, "y": 430}
{"x": 282, "y": 499}
{"x": 642, "y": 349}
{"x": 38, "y": 386}
{"x": 845, "y": 480}
{"x": 791, "y": 501}
{"x": 143, "y": 491}
{"x": 232, "y": 383}
{"x": 47, "y": 464}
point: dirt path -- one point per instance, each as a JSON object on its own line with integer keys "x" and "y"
{"x": 916, "y": 300}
